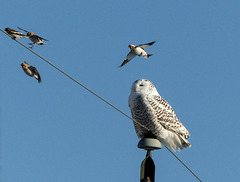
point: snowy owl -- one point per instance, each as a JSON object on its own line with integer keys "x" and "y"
{"x": 152, "y": 111}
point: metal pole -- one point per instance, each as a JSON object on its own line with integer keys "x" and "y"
{"x": 148, "y": 166}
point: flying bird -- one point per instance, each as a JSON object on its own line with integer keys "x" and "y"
{"x": 153, "y": 112}
{"x": 31, "y": 71}
{"x": 14, "y": 33}
{"x": 34, "y": 38}
{"x": 137, "y": 51}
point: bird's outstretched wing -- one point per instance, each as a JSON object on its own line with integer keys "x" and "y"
{"x": 42, "y": 38}
{"x": 129, "y": 57}
{"x": 144, "y": 46}
{"x": 23, "y": 30}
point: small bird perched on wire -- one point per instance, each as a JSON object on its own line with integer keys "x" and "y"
{"x": 31, "y": 71}
{"x": 34, "y": 38}
{"x": 137, "y": 51}
{"x": 14, "y": 33}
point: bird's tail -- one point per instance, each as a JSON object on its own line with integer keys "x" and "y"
{"x": 175, "y": 141}
{"x": 185, "y": 142}
{"x": 42, "y": 43}
{"x": 38, "y": 78}
{"x": 147, "y": 56}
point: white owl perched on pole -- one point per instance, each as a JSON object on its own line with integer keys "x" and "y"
{"x": 152, "y": 111}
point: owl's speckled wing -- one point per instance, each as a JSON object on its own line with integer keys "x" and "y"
{"x": 166, "y": 115}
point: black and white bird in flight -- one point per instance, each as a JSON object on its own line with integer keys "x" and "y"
{"x": 137, "y": 51}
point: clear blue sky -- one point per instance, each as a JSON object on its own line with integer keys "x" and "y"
{"x": 57, "y": 131}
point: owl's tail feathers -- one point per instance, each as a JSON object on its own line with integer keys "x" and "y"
{"x": 175, "y": 141}
{"x": 185, "y": 142}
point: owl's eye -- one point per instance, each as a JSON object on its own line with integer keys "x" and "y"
{"x": 141, "y": 85}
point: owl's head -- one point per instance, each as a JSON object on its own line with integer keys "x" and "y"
{"x": 144, "y": 86}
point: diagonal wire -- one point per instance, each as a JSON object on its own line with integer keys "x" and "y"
{"x": 184, "y": 164}
{"x": 101, "y": 99}
{"x": 78, "y": 82}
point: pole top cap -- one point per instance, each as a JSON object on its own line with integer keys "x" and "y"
{"x": 149, "y": 144}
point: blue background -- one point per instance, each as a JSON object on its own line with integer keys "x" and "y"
{"x": 57, "y": 131}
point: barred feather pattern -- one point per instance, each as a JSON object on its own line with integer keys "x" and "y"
{"x": 151, "y": 110}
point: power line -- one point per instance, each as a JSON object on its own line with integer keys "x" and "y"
{"x": 78, "y": 82}
{"x": 184, "y": 164}
{"x": 101, "y": 99}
